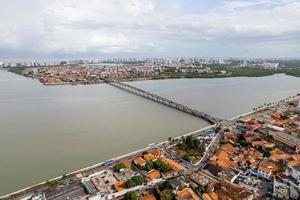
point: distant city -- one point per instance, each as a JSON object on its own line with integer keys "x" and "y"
{"x": 93, "y": 71}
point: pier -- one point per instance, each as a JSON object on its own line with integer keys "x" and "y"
{"x": 162, "y": 100}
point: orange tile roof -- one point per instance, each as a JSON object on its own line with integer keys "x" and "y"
{"x": 206, "y": 196}
{"x": 119, "y": 185}
{"x": 127, "y": 164}
{"x": 293, "y": 163}
{"x": 140, "y": 161}
{"x": 277, "y": 151}
{"x": 187, "y": 193}
{"x": 157, "y": 153}
{"x": 270, "y": 167}
{"x": 246, "y": 119}
{"x": 155, "y": 174}
{"x": 174, "y": 165}
{"x": 150, "y": 157}
{"x": 148, "y": 197}
{"x": 211, "y": 196}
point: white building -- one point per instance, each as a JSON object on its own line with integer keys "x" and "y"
{"x": 270, "y": 65}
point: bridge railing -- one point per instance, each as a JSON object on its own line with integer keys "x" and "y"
{"x": 162, "y": 100}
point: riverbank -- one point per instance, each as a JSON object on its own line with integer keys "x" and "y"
{"x": 76, "y": 121}
{"x": 170, "y": 73}
{"x": 26, "y": 191}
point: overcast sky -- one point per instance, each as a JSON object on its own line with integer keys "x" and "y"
{"x": 139, "y": 28}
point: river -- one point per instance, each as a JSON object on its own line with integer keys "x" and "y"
{"x": 48, "y": 131}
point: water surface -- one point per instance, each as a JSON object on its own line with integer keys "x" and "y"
{"x": 48, "y": 131}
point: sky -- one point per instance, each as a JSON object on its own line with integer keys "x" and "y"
{"x": 149, "y": 28}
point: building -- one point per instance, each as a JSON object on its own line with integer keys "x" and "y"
{"x": 270, "y": 65}
{"x": 293, "y": 172}
{"x": 267, "y": 169}
{"x": 187, "y": 194}
{"x": 280, "y": 190}
{"x": 285, "y": 138}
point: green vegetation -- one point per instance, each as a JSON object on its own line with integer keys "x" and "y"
{"x": 17, "y": 70}
{"x": 118, "y": 167}
{"x": 192, "y": 143}
{"x": 188, "y": 157}
{"x": 166, "y": 191}
{"x": 54, "y": 183}
{"x": 134, "y": 181}
{"x": 193, "y": 148}
{"x": 158, "y": 165}
{"x": 293, "y": 72}
{"x": 242, "y": 140}
{"x": 131, "y": 195}
{"x": 149, "y": 165}
{"x": 161, "y": 166}
{"x": 249, "y": 72}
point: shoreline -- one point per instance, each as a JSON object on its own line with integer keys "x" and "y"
{"x": 150, "y": 146}
{"x": 150, "y": 78}
{"x": 103, "y": 163}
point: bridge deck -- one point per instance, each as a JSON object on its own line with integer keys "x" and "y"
{"x": 162, "y": 100}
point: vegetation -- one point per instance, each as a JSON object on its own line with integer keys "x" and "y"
{"x": 191, "y": 148}
{"x": 250, "y": 72}
{"x": 131, "y": 195}
{"x": 118, "y": 167}
{"x": 166, "y": 191}
{"x": 242, "y": 140}
{"x": 134, "y": 181}
{"x": 16, "y": 70}
{"x": 192, "y": 143}
{"x": 295, "y": 71}
{"x": 161, "y": 166}
{"x": 158, "y": 165}
{"x": 54, "y": 183}
{"x": 149, "y": 166}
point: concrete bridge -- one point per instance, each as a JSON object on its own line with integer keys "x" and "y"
{"x": 162, "y": 100}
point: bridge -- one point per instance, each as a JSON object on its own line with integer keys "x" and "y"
{"x": 162, "y": 100}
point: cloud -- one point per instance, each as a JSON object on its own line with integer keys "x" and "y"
{"x": 150, "y": 27}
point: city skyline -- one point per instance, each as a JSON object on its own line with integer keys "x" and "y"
{"x": 39, "y": 29}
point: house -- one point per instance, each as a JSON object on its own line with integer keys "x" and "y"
{"x": 154, "y": 174}
{"x": 281, "y": 190}
{"x": 148, "y": 197}
{"x": 174, "y": 165}
{"x": 187, "y": 194}
{"x": 210, "y": 196}
{"x": 149, "y": 157}
{"x": 293, "y": 171}
{"x": 139, "y": 161}
{"x": 267, "y": 169}
{"x": 119, "y": 186}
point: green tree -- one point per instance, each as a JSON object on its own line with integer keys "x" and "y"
{"x": 138, "y": 180}
{"x": 188, "y": 157}
{"x": 118, "y": 167}
{"x": 131, "y": 195}
{"x": 149, "y": 165}
{"x": 161, "y": 166}
{"x": 130, "y": 183}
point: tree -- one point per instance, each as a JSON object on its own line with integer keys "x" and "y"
{"x": 188, "y": 157}
{"x": 131, "y": 195}
{"x": 138, "y": 180}
{"x": 119, "y": 166}
{"x": 130, "y": 183}
{"x": 242, "y": 140}
{"x": 161, "y": 166}
{"x": 149, "y": 165}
